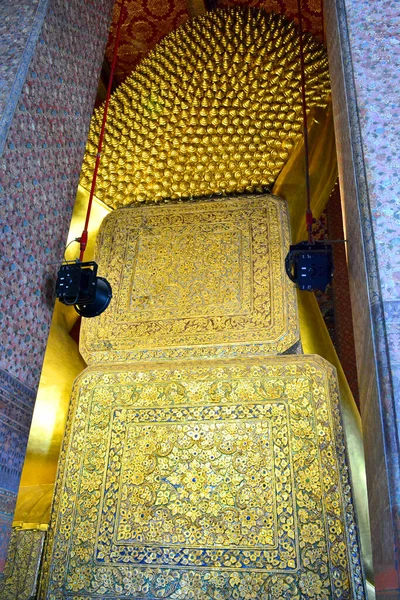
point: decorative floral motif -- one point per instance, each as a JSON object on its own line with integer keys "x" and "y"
{"x": 190, "y": 485}
{"x": 195, "y": 280}
{"x": 146, "y": 23}
{"x": 23, "y": 562}
{"x": 201, "y": 488}
{"x": 200, "y": 259}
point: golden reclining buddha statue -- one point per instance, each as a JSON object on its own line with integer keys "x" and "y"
{"x": 204, "y": 455}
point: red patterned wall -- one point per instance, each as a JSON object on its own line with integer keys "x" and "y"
{"x": 311, "y": 11}
{"x": 343, "y": 318}
{"x": 148, "y": 21}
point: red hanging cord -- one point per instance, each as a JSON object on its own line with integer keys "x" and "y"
{"x": 323, "y": 23}
{"x": 309, "y": 215}
{"x": 84, "y": 237}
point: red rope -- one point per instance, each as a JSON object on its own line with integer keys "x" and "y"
{"x": 84, "y": 237}
{"x": 309, "y": 215}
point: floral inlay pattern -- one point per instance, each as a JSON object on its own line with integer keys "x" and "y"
{"x": 194, "y": 280}
{"x": 219, "y": 480}
{"x": 208, "y": 484}
{"x": 208, "y": 262}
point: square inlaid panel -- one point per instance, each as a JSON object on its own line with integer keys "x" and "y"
{"x": 205, "y": 480}
{"x": 194, "y": 280}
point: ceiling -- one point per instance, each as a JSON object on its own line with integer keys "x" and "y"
{"x": 148, "y": 21}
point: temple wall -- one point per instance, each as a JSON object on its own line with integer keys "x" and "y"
{"x": 49, "y": 79}
{"x": 19, "y": 29}
{"x": 364, "y": 59}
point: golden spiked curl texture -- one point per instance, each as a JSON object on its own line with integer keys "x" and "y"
{"x": 214, "y": 109}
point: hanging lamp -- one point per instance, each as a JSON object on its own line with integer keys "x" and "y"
{"x": 309, "y": 264}
{"x": 77, "y": 283}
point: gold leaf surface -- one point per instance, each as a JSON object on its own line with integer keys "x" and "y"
{"x": 214, "y": 109}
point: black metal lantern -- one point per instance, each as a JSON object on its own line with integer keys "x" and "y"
{"x": 78, "y": 285}
{"x": 310, "y": 265}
